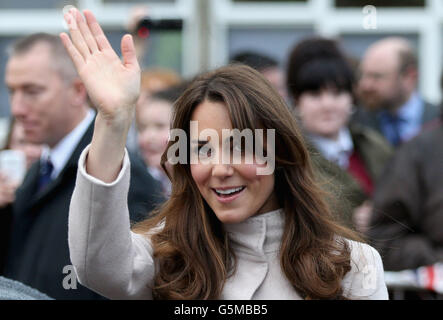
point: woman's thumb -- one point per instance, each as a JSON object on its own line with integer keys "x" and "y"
{"x": 128, "y": 51}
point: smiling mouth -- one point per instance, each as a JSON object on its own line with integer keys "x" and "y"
{"x": 228, "y": 192}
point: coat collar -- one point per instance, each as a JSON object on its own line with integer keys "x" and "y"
{"x": 259, "y": 234}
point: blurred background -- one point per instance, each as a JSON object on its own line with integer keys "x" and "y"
{"x": 214, "y": 30}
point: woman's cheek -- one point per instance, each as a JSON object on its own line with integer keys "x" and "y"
{"x": 200, "y": 173}
{"x": 165, "y": 137}
{"x": 248, "y": 171}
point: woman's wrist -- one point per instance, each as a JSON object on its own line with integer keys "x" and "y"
{"x": 118, "y": 122}
{"x": 107, "y": 149}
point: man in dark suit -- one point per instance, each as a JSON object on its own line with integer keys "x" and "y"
{"x": 50, "y": 101}
{"x": 387, "y": 90}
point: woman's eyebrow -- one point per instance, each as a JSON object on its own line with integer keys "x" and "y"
{"x": 229, "y": 138}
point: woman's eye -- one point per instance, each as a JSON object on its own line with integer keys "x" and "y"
{"x": 242, "y": 147}
{"x": 237, "y": 147}
{"x": 204, "y": 151}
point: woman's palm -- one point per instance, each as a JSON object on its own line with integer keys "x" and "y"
{"x": 113, "y": 85}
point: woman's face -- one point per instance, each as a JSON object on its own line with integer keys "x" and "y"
{"x": 153, "y": 122}
{"x": 233, "y": 191}
{"x": 324, "y": 112}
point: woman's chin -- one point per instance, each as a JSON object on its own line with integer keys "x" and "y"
{"x": 231, "y": 216}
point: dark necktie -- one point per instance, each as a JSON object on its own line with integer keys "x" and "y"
{"x": 393, "y": 131}
{"x": 46, "y": 168}
{"x": 396, "y": 138}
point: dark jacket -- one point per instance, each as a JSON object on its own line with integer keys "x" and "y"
{"x": 372, "y": 120}
{"x": 37, "y": 246}
{"x": 407, "y": 222}
{"x": 373, "y": 150}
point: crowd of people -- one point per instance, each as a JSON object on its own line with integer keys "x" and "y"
{"x": 358, "y": 179}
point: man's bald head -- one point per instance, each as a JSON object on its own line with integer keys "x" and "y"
{"x": 396, "y": 48}
{"x": 388, "y": 74}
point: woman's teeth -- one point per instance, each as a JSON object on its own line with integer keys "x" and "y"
{"x": 229, "y": 191}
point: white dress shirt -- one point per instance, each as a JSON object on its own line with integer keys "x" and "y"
{"x": 60, "y": 154}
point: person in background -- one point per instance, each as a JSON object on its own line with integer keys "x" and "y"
{"x": 136, "y": 14}
{"x": 266, "y": 65}
{"x": 153, "y": 117}
{"x": 320, "y": 81}
{"x": 387, "y": 91}
{"x": 157, "y": 79}
{"x": 15, "y": 140}
{"x": 406, "y": 225}
{"x": 7, "y": 190}
{"x": 153, "y": 78}
{"x": 49, "y": 100}
{"x": 152, "y": 81}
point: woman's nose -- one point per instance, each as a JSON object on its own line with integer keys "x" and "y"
{"x": 221, "y": 170}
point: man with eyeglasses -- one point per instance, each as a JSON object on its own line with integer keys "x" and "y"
{"x": 387, "y": 91}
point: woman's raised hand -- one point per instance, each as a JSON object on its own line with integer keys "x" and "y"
{"x": 113, "y": 85}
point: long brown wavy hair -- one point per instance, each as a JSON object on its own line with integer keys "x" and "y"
{"x": 192, "y": 251}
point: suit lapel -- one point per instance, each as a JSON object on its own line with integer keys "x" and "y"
{"x": 26, "y": 193}
{"x": 430, "y": 112}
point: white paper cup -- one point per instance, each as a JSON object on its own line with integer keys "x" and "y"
{"x": 13, "y": 165}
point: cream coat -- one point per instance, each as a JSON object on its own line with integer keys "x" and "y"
{"x": 117, "y": 263}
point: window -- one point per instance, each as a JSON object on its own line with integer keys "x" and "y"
{"x": 271, "y": 0}
{"x": 4, "y": 95}
{"x": 356, "y": 44}
{"x": 138, "y": 1}
{"x": 273, "y": 42}
{"x": 32, "y": 4}
{"x": 379, "y": 3}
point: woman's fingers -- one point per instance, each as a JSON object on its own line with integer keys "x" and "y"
{"x": 86, "y": 33}
{"x": 128, "y": 52}
{"x": 76, "y": 35}
{"x": 72, "y": 50}
{"x": 97, "y": 31}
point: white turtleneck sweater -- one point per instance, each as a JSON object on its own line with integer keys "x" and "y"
{"x": 117, "y": 263}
